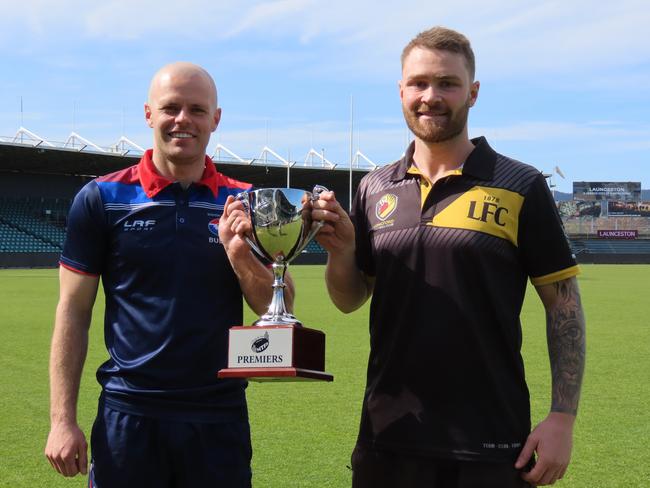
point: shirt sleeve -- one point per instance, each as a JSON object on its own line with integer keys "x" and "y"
{"x": 84, "y": 249}
{"x": 363, "y": 251}
{"x": 543, "y": 243}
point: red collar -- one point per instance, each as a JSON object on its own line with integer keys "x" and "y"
{"x": 153, "y": 182}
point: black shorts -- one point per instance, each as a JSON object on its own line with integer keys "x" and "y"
{"x": 131, "y": 451}
{"x": 377, "y": 469}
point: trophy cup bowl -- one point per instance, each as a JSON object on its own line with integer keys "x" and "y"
{"x": 282, "y": 228}
{"x": 278, "y": 346}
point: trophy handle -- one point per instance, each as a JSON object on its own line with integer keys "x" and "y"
{"x": 318, "y": 189}
{"x": 315, "y": 195}
{"x": 243, "y": 198}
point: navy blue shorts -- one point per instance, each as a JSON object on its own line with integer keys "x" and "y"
{"x": 129, "y": 451}
{"x": 378, "y": 469}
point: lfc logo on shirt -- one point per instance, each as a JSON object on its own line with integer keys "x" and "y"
{"x": 493, "y": 211}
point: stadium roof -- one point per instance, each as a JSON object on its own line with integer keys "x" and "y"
{"x": 49, "y": 159}
{"x": 79, "y": 156}
{"x": 125, "y": 148}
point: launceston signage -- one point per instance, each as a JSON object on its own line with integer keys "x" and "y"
{"x": 618, "y": 234}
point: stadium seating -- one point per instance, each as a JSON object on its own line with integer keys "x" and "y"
{"x": 598, "y": 246}
{"x": 314, "y": 247}
{"x": 588, "y": 247}
{"x": 32, "y": 224}
{"x": 38, "y": 225}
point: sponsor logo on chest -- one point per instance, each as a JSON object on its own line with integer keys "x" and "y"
{"x": 384, "y": 208}
{"x": 213, "y": 227}
{"x": 138, "y": 225}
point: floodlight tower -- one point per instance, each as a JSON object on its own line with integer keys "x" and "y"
{"x": 558, "y": 171}
{"x": 551, "y": 183}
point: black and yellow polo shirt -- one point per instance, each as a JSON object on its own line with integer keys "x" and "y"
{"x": 451, "y": 263}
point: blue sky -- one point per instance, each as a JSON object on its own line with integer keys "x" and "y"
{"x": 563, "y": 83}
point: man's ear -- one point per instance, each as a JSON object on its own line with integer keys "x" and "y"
{"x": 473, "y": 93}
{"x": 147, "y": 115}
{"x": 217, "y": 118}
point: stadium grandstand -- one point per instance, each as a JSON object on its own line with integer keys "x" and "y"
{"x": 39, "y": 178}
{"x": 606, "y": 222}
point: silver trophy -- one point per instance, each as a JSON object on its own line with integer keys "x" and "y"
{"x": 282, "y": 228}
{"x": 279, "y": 347}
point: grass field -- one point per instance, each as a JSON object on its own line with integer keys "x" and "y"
{"x": 303, "y": 434}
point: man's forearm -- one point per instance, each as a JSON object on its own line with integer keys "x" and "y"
{"x": 256, "y": 282}
{"x": 347, "y": 286}
{"x": 67, "y": 357}
{"x": 565, "y": 328}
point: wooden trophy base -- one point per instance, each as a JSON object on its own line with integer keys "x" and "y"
{"x": 276, "y": 353}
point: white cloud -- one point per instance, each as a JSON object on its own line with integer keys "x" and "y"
{"x": 156, "y": 21}
{"x": 511, "y": 37}
{"x": 270, "y": 16}
{"x": 65, "y": 50}
{"x": 606, "y": 131}
{"x": 381, "y": 145}
{"x": 570, "y": 38}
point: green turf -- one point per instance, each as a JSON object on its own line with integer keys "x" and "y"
{"x": 303, "y": 433}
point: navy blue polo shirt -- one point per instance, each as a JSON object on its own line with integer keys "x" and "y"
{"x": 171, "y": 294}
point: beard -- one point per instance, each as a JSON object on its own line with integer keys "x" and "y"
{"x": 437, "y": 131}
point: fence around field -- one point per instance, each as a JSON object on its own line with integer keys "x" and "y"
{"x": 588, "y": 227}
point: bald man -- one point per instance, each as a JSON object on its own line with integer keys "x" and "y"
{"x": 166, "y": 238}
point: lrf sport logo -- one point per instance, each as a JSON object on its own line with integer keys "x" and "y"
{"x": 138, "y": 225}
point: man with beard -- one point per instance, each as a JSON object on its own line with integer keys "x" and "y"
{"x": 445, "y": 240}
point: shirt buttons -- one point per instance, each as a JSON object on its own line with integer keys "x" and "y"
{"x": 181, "y": 220}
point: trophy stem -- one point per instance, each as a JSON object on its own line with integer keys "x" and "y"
{"x": 277, "y": 314}
{"x": 278, "y": 307}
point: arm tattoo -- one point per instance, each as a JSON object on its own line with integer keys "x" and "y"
{"x": 565, "y": 332}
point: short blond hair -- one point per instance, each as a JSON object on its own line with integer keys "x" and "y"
{"x": 443, "y": 39}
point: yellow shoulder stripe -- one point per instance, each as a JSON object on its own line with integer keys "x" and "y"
{"x": 557, "y": 276}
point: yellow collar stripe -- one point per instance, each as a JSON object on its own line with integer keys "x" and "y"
{"x": 425, "y": 184}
